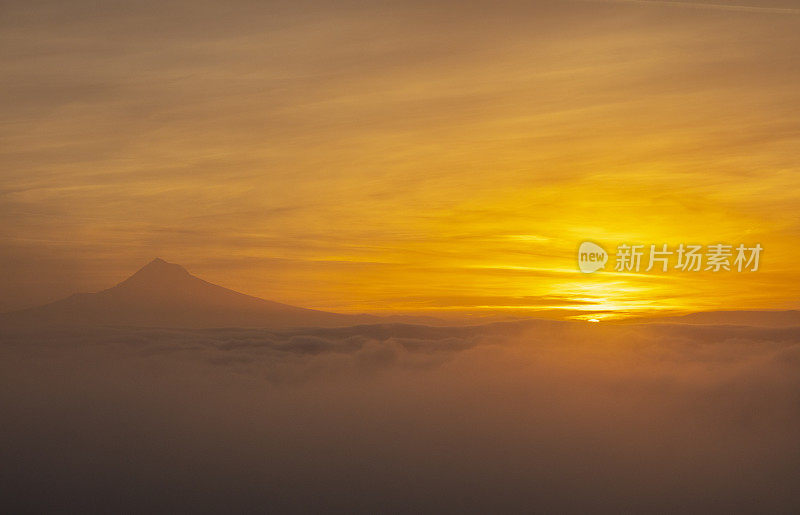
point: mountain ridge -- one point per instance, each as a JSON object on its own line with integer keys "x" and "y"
{"x": 753, "y": 317}
{"x": 163, "y": 294}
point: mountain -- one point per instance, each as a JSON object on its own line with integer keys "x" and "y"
{"x": 164, "y": 294}
{"x": 789, "y": 318}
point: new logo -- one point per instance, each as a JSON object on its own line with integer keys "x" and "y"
{"x": 591, "y": 257}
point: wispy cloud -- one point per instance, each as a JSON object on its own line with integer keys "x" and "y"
{"x": 350, "y": 157}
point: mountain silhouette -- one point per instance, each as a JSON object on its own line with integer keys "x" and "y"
{"x": 754, "y": 318}
{"x": 165, "y": 294}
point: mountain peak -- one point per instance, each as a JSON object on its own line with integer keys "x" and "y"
{"x": 157, "y": 273}
{"x": 159, "y": 265}
{"x": 163, "y": 294}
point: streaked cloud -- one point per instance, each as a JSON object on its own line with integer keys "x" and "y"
{"x": 340, "y": 157}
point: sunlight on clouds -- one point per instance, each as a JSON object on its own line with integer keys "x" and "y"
{"x": 404, "y": 157}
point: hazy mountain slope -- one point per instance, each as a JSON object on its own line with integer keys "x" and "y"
{"x": 165, "y": 294}
{"x": 752, "y": 318}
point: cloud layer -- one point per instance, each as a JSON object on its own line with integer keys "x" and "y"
{"x": 516, "y": 417}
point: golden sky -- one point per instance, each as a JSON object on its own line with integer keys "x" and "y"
{"x": 444, "y": 157}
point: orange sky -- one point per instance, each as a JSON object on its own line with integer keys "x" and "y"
{"x": 400, "y": 156}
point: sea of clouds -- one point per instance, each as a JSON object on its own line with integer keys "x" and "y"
{"x": 528, "y": 417}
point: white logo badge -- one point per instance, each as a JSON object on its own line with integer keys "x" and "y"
{"x": 591, "y": 257}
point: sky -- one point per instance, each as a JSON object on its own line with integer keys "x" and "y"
{"x": 437, "y": 157}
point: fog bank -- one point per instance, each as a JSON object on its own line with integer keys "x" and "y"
{"x": 527, "y": 417}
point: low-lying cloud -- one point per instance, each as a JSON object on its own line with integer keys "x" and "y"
{"x": 518, "y": 417}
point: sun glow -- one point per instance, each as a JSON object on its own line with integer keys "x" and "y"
{"x": 405, "y": 183}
